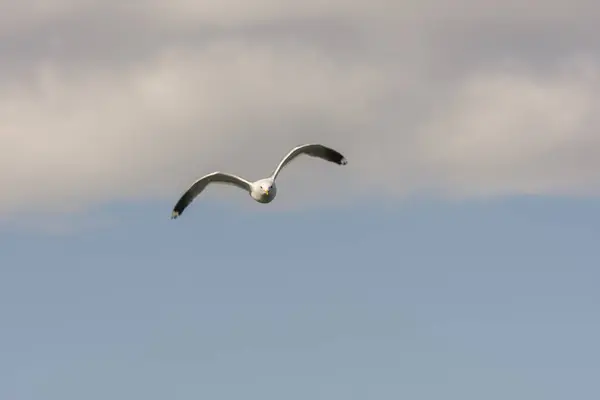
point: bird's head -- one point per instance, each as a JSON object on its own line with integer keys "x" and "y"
{"x": 266, "y": 187}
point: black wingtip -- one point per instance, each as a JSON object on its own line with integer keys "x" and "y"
{"x": 334, "y": 156}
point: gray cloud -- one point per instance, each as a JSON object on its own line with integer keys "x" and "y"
{"x": 108, "y": 101}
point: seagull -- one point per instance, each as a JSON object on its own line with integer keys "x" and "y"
{"x": 262, "y": 190}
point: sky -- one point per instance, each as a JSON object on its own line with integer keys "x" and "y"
{"x": 453, "y": 257}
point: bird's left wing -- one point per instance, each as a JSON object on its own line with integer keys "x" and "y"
{"x": 198, "y": 186}
{"x": 313, "y": 150}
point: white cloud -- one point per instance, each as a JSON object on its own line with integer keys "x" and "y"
{"x": 72, "y": 140}
{"x": 417, "y": 95}
{"x": 186, "y": 14}
{"x": 517, "y": 132}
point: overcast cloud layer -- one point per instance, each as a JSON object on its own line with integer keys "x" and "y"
{"x": 107, "y": 101}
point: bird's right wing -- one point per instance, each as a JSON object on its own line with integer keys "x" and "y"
{"x": 313, "y": 150}
{"x": 198, "y": 186}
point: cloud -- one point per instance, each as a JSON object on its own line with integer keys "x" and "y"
{"x": 107, "y": 101}
{"x": 112, "y": 134}
{"x": 518, "y": 132}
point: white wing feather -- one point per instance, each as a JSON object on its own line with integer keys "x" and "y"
{"x": 313, "y": 150}
{"x": 197, "y": 187}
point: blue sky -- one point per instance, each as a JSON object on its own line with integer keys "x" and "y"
{"x": 489, "y": 299}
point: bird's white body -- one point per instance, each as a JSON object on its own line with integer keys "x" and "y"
{"x": 263, "y": 190}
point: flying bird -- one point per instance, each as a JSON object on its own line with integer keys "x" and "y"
{"x": 262, "y": 190}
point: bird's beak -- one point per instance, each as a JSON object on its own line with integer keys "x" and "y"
{"x": 267, "y": 191}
